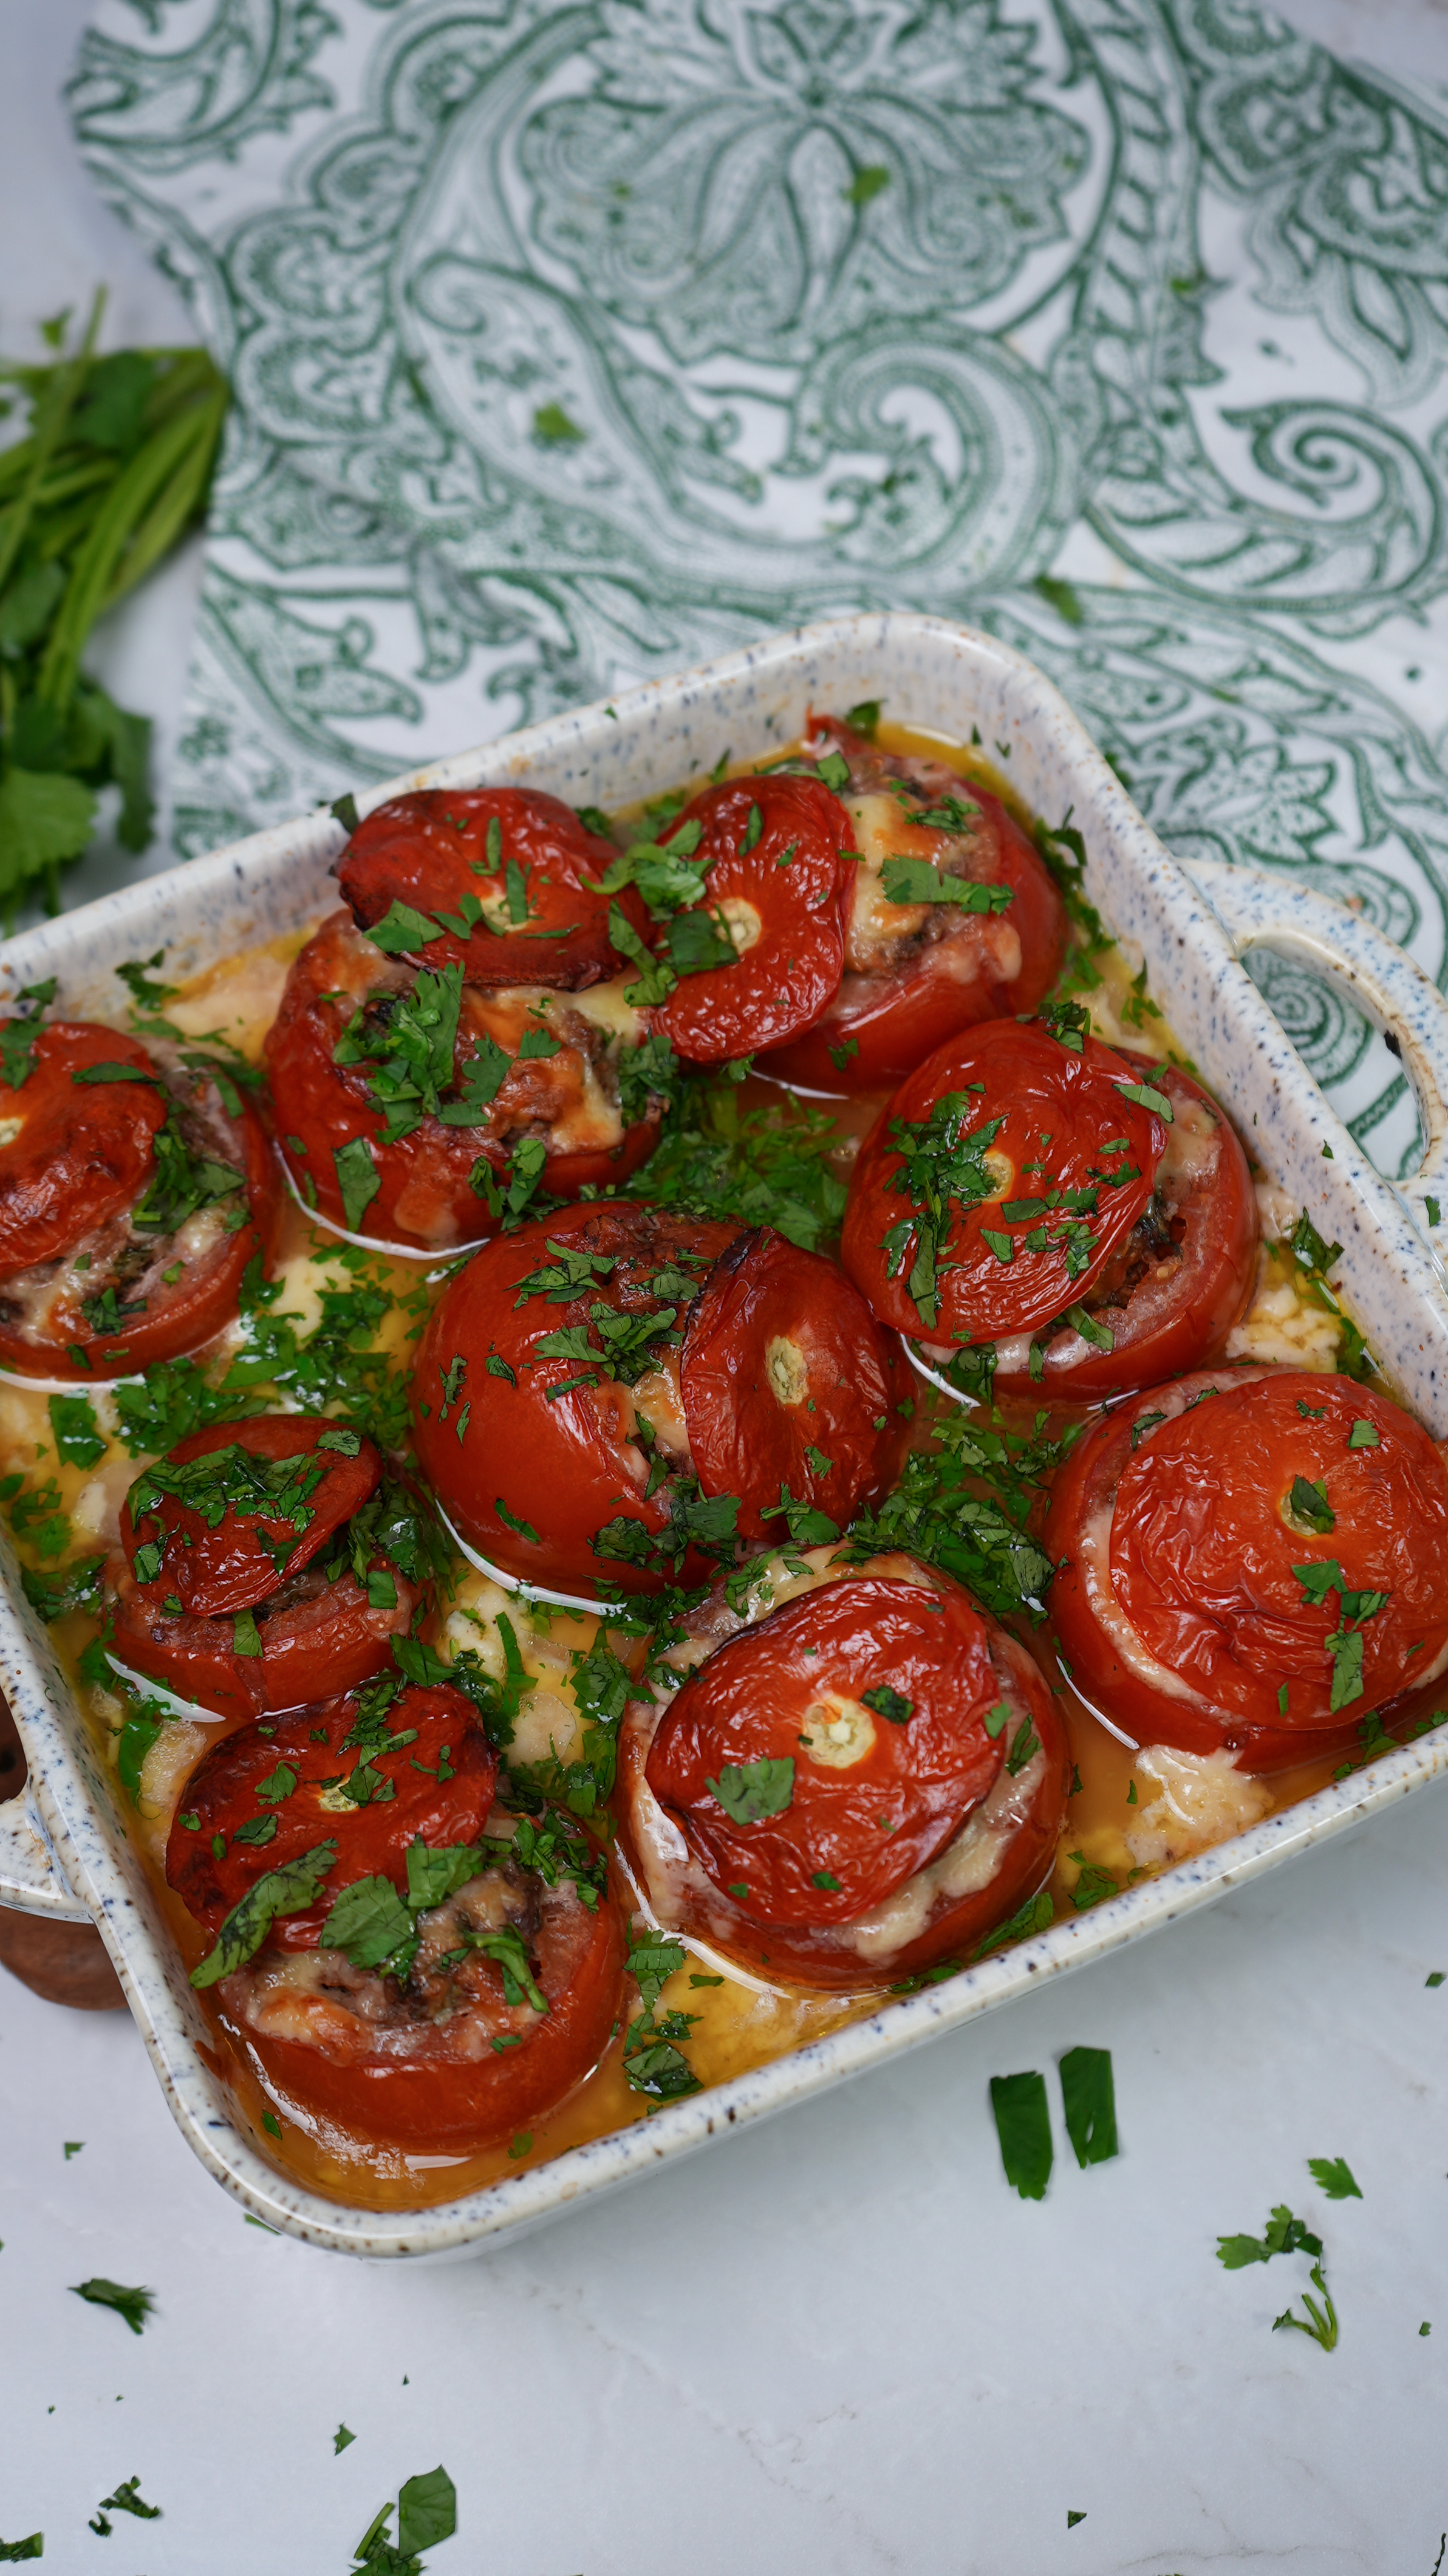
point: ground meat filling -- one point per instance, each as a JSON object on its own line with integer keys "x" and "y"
{"x": 453, "y": 2005}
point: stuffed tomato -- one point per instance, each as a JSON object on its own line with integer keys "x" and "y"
{"x": 1086, "y": 1216}
{"x": 135, "y": 1187}
{"x": 452, "y": 1046}
{"x": 953, "y": 917}
{"x": 850, "y": 1774}
{"x": 622, "y": 1393}
{"x": 1251, "y": 1560}
{"x": 267, "y": 1563}
{"x": 402, "y": 1956}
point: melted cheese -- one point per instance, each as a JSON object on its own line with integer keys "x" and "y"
{"x": 1203, "y": 1799}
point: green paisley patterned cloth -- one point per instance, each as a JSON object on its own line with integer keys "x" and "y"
{"x": 573, "y": 343}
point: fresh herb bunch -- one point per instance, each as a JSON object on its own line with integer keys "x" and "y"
{"x": 114, "y": 467}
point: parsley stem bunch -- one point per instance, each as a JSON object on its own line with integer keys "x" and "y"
{"x": 115, "y": 466}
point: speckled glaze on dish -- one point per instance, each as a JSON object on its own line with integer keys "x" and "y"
{"x": 64, "y": 1849}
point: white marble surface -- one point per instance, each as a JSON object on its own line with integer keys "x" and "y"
{"x": 837, "y": 2346}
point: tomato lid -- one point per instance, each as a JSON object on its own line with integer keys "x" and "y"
{"x": 372, "y": 1773}
{"x": 78, "y": 1129}
{"x": 1288, "y": 1535}
{"x": 502, "y": 878}
{"x": 992, "y": 1193}
{"x": 818, "y": 1760}
{"x": 779, "y": 854}
{"x": 236, "y": 1510}
{"x": 785, "y": 1385}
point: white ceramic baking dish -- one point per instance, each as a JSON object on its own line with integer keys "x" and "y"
{"x": 63, "y": 1847}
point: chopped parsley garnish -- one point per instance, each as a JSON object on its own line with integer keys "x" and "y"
{"x": 1333, "y": 2177}
{"x": 916, "y": 881}
{"x": 942, "y": 1167}
{"x": 888, "y": 1703}
{"x": 1283, "y": 2234}
{"x": 653, "y": 2061}
{"x": 134, "y": 2305}
{"x": 1309, "y": 1506}
{"x": 427, "y": 2512}
{"x": 1310, "y": 1248}
{"x": 1147, "y": 1097}
{"x": 1088, "y": 2095}
{"x": 78, "y": 1438}
{"x": 749, "y": 1791}
{"x": 1023, "y": 2126}
{"x": 288, "y": 1890}
{"x": 1363, "y": 1435}
{"x": 1036, "y": 1915}
{"x": 358, "y": 1179}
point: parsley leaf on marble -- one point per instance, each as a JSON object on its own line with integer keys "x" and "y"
{"x": 134, "y": 2305}
{"x": 1023, "y": 2126}
{"x": 1089, "y": 2098}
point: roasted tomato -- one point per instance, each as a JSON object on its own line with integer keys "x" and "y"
{"x": 460, "y": 1971}
{"x": 917, "y": 970}
{"x": 1251, "y": 1560}
{"x": 416, "y": 1108}
{"x": 131, "y": 1200}
{"x": 267, "y": 1563}
{"x": 551, "y": 1369}
{"x": 999, "y": 1183}
{"x": 780, "y": 867}
{"x": 505, "y": 878}
{"x": 861, "y": 1774}
{"x": 787, "y": 1385}
{"x": 1183, "y": 1276}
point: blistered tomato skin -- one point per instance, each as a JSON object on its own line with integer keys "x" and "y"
{"x": 422, "y": 1189}
{"x": 1031, "y": 1166}
{"x": 433, "y": 849}
{"x": 1200, "y": 1604}
{"x": 1182, "y": 1278}
{"x": 80, "y": 1160}
{"x": 436, "y": 1762}
{"x": 448, "y": 2064}
{"x": 917, "y": 974}
{"x": 852, "y": 1784}
{"x": 787, "y": 1386}
{"x": 489, "y": 1439}
{"x": 81, "y": 1152}
{"x": 317, "y": 1633}
{"x": 784, "y": 888}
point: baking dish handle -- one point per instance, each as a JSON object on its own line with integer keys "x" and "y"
{"x": 1259, "y": 908}
{"x": 30, "y": 1880}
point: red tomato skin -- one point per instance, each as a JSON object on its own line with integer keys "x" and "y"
{"x": 408, "y": 851}
{"x": 752, "y": 1697}
{"x": 334, "y": 1643}
{"x": 560, "y": 1467}
{"x": 84, "y": 1150}
{"x": 1183, "y": 1320}
{"x": 426, "y": 1197}
{"x": 1255, "y": 1730}
{"x": 372, "y": 1840}
{"x": 898, "y": 1018}
{"x": 182, "y": 1317}
{"x": 782, "y": 1356}
{"x": 1010, "y": 1064}
{"x": 808, "y": 1955}
{"x": 212, "y": 1571}
{"x": 444, "y": 2105}
{"x": 785, "y": 980}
